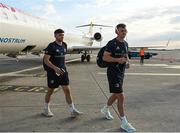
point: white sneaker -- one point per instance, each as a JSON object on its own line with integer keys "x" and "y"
{"x": 107, "y": 113}
{"x": 47, "y": 113}
{"x": 75, "y": 113}
{"x": 128, "y": 127}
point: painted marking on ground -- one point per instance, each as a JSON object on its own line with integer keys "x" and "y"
{"x": 29, "y": 69}
{"x": 38, "y": 89}
{"x": 155, "y": 65}
{"x": 147, "y": 74}
{"x": 174, "y": 66}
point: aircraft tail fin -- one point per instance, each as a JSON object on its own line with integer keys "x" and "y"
{"x": 91, "y": 25}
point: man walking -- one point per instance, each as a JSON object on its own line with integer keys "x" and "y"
{"x": 54, "y": 64}
{"x": 116, "y": 53}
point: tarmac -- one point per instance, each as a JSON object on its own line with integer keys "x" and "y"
{"x": 152, "y": 97}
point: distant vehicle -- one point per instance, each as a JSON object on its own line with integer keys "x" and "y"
{"x": 135, "y": 54}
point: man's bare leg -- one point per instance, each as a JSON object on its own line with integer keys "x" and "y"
{"x": 47, "y": 112}
{"x": 120, "y": 104}
{"x": 69, "y": 100}
{"x": 67, "y": 93}
{"x": 111, "y": 99}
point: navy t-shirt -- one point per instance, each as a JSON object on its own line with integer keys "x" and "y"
{"x": 117, "y": 49}
{"x": 57, "y": 53}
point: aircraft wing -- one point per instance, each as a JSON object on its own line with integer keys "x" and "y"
{"x": 159, "y": 45}
{"x": 79, "y": 49}
{"x": 148, "y": 46}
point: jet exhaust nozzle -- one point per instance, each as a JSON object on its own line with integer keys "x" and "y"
{"x": 98, "y": 36}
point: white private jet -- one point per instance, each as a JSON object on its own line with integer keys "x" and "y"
{"x": 22, "y": 33}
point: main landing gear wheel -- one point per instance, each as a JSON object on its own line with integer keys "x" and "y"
{"x": 87, "y": 57}
{"x": 83, "y": 58}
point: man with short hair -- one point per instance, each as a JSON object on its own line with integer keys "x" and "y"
{"x": 116, "y": 53}
{"x": 54, "y": 64}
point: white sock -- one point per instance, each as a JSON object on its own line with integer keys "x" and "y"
{"x": 46, "y": 107}
{"x": 71, "y": 107}
{"x": 124, "y": 119}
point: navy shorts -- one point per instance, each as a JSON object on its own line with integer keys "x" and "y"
{"x": 54, "y": 81}
{"x": 115, "y": 82}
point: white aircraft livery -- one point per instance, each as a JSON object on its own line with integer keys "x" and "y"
{"x": 21, "y": 33}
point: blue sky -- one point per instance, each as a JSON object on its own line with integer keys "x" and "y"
{"x": 147, "y": 21}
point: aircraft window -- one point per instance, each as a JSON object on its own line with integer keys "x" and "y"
{"x": 4, "y": 15}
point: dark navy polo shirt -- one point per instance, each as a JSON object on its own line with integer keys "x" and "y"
{"x": 117, "y": 49}
{"x": 57, "y": 53}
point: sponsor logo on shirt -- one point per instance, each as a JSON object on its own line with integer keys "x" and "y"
{"x": 117, "y": 48}
{"x": 117, "y": 85}
{"x": 57, "y": 50}
{"x": 52, "y": 81}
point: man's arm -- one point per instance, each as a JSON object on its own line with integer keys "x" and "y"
{"x": 108, "y": 58}
{"x": 49, "y": 64}
{"x": 128, "y": 60}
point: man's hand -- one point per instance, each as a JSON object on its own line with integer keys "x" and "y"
{"x": 121, "y": 60}
{"x": 127, "y": 65}
{"x": 59, "y": 71}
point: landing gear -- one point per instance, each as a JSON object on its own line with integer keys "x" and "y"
{"x": 85, "y": 56}
{"x": 88, "y": 57}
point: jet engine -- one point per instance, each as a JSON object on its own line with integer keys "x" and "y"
{"x": 97, "y": 36}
